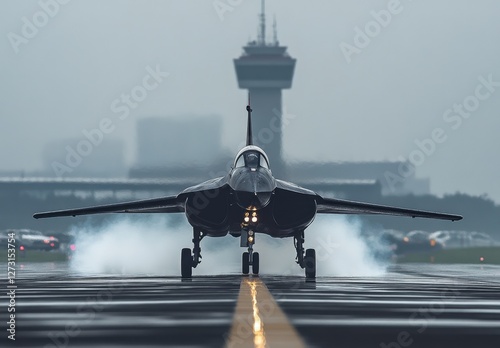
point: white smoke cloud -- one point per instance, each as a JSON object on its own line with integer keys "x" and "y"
{"x": 147, "y": 246}
{"x": 151, "y": 246}
{"x": 344, "y": 249}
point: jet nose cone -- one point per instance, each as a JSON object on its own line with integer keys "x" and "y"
{"x": 253, "y": 200}
{"x": 253, "y": 189}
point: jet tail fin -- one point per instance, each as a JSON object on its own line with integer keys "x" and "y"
{"x": 249, "y": 124}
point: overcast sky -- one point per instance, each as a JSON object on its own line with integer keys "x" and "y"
{"x": 63, "y": 77}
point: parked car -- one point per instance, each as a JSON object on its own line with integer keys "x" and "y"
{"x": 462, "y": 239}
{"x": 451, "y": 239}
{"x": 419, "y": 241}
{"x": 34, "y": 240}
{"x": 67, "y": 243}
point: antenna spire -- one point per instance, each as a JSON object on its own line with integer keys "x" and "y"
{"x": 262, "y": 27}
{"x": 275, "y": 32}
{"x": 249, "y": 124}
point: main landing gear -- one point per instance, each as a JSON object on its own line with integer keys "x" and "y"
{"x": 307, "y": 261}
{"x": 249, "y": 258}
{"x": 188, "y": 260}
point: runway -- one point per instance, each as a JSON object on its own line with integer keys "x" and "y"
{"x": 412, "y": 305}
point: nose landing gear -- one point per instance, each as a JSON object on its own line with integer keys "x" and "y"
{"x": 249, "y": 258}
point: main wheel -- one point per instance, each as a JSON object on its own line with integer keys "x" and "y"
{"x": 255, "y": 263}
{"x": 186, "y": 263}
{"x": 245, "y": 263}
{"x": 310, "y": 263}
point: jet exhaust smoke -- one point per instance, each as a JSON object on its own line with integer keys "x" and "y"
{"x": 151, "y": 246}
{"x": 147, "y": 245}
{"x": 345, "y": 247}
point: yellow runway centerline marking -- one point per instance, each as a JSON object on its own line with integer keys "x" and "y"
{"x": 259, "y": 321}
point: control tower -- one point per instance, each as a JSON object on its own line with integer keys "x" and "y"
{"x": 265, "y": 68}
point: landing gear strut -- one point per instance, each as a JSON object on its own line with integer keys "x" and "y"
{"x": 188, "y": 260}
{"x": 249, "y": 258}
{"x": 307, "y": 261}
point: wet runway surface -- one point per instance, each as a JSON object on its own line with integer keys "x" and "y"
{"x": 417, "y": 306}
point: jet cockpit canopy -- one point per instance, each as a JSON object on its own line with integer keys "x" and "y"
{"x": 251, "y": 157}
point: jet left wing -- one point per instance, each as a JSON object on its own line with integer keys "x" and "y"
{"x": 339, "y": 206}
{"x": 169, "y": 204}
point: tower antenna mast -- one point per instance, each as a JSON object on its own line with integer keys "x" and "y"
{"x": 262, "y": 27}
{"x": 275, "y": 32}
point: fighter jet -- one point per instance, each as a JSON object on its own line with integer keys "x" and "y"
{"x": 248, "y": 201}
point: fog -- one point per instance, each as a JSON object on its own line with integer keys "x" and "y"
{"x": 138, "y": 246}
{"x": 378, "y": 103}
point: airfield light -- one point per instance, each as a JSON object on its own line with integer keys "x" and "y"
{"x": 21, "y": 248}
{"x": 52, "y": 244}
{"x": 433, "y": 242}
{"x": 406, "y": 239}
{"x": 46, "y": 241}
{"x": 481, "y": 259}
{"x": 72, "y": 247}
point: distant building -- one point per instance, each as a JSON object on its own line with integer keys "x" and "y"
{"x": 387, "y": 174}
{"x": 69, "y": 158}
{"x": 177, "y": 143}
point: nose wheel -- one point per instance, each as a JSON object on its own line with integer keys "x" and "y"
{"x": 249, "y": 258}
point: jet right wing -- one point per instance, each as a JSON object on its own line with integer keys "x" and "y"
{"x": 169, "y": 204}
{"x": 339, "y": 206}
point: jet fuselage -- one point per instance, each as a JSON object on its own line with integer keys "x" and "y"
{"x": 252, "y": 201}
